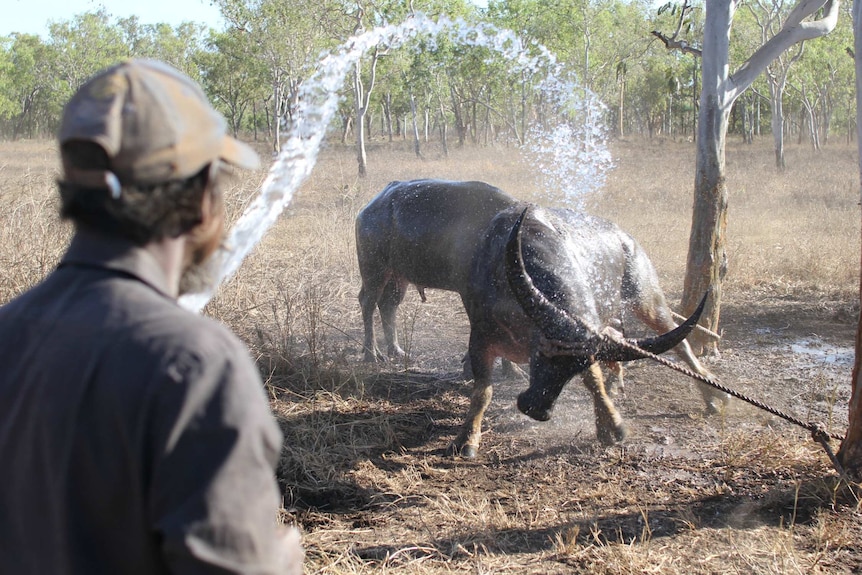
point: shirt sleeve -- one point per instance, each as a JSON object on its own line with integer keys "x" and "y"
{"x": 213, "y": 494}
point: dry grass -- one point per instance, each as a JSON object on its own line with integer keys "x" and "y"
{"x": 363, "y": 469}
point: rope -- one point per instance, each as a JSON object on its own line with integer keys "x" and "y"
{"x": 817, "y": 431}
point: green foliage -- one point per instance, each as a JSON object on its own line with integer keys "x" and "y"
{"x": 254, "y": 67}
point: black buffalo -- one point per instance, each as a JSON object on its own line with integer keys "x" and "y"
{"x": 585, "y": 272}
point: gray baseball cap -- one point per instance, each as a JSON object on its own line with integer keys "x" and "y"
{"x": 155, "y": 124}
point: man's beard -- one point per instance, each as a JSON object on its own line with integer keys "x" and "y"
{"x": 198, "y": 278}
{"x": 201, "y": 275}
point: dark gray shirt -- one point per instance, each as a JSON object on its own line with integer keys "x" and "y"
{"x": 135, "y": 436}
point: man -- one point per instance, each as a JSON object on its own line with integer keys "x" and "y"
{"x": 135, "y": 436}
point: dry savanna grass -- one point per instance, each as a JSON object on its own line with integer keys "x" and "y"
{"x": 363, "y": 467}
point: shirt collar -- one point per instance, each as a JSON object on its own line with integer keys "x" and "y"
{"x": 100, "y": 251}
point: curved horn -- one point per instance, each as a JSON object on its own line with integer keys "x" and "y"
{"x": 656, "y": 345}
{"x": 548, "y": 317}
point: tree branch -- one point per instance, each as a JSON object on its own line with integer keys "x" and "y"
{"x": 673, "y": 44}
{"x": 793, "y": 31}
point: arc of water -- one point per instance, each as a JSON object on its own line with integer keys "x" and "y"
{"x": 318, "y": 102}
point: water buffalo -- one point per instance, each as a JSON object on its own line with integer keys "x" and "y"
{"x": 421, "y": 232}
{"x": 547, "y": 286}
{"x": 450, "y": 235}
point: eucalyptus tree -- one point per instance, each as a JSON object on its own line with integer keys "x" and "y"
{"x": 84, "y": 45}
{"x": 435, "y": 68}
{"x": 177, "y": 45}
{"x": 8, "y": 105}
{"x": 287, "y": 37}
{"x": 362, "y": 15}
{"x": 365, "y": 13}
{"x": 404, "y": 89}
{"x": 768, "y": 16}
{"x": 600, "y": 40}
{"x": 232, "y": 77}
{"x": 27, "y": 101}
{"x": 686, "y": 22}
{"x": 706, "y": 263}
{"x": 820, "y": 82}
{"x": 850, "y": 453}
{"x": 620, "y": 51}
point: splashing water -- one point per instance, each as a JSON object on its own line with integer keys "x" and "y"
{"x": 572, "y": 158}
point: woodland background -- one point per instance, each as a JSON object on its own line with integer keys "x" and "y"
{"x": 253, "y": 69}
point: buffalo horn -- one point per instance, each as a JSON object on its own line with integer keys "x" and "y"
{"x": 656, "y": 345}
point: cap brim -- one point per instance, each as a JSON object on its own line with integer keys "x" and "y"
{"x": 239, "y": 154}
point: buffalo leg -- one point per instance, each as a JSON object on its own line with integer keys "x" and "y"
{"x": 369, "y": 295}
{"x": 714, "y": 399}
{"x": 609, "y": 424}
{"x": 513, "y": 370}
{"x": 615, "y": 384}
{"x": 393, "y": 295}
{"x": 467, "y": 441}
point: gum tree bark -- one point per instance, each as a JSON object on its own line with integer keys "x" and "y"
{"x": 850, "y": 453}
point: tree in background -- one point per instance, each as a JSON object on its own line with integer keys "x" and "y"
{"x": 82, "y": 46}
{"x": 232, "y": 77}
{"x": 850, "y": 453}
{"x": 706, "y": 264}
{"x": 288, "y": 38}
{"x": 26, "y": 84}
{"x": 255, "y": 71}
{"x": 178, "y": 46}
{"x": 44, "y": 73}
{"x": 768, "y": 16}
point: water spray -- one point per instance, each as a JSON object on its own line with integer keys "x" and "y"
{"x": 571, "y": 158}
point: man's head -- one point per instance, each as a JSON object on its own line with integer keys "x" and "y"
{"x": 142, "y": 150}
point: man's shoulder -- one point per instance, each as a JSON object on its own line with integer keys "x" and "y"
{"x": 178, "y": 328}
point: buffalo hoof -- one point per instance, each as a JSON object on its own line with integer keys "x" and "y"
{"x": 373, "y": 356}
{"x": 395, "y": 352}
{"x": 714, "y": 407}
{"x": 715, "y": 404}
{"x": 467, "y": 373}
{"x": 537, "y": 413}
{"x": 469, "y": 451}
{"x": 611, "y": 436}
{"x": 466, "y": 451}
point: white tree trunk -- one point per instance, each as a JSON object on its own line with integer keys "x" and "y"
{"x": 850, "y": 454}
{"x": 776, "y": 102}
{"x": 358, "y": 100}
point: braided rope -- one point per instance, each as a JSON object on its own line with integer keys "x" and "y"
{"x": 817, "y": 431}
